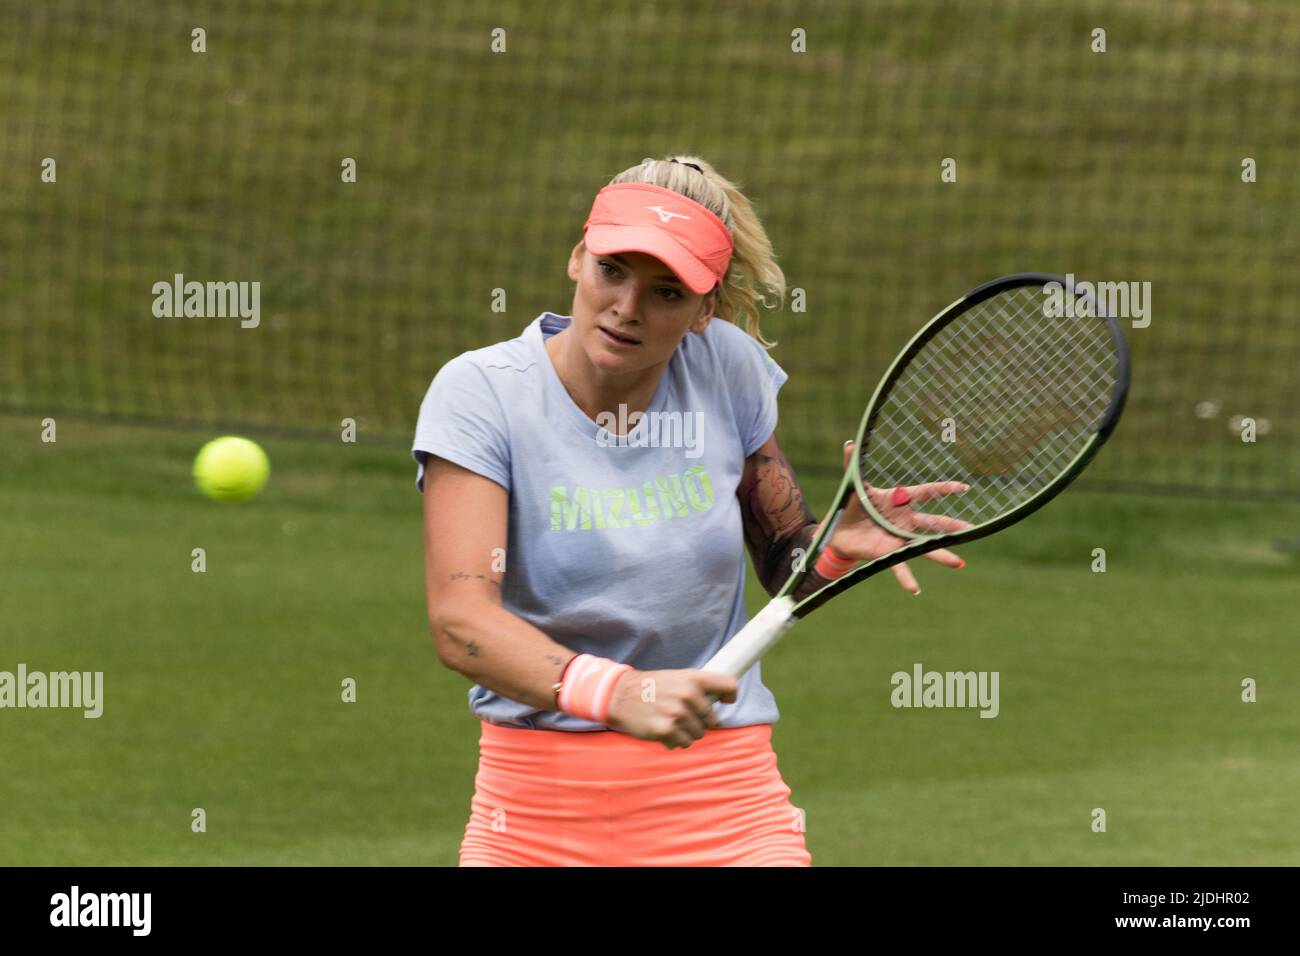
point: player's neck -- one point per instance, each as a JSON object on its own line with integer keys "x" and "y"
{"x": 595, "y": 390}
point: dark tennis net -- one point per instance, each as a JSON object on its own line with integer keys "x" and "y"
{"x": 475, "y": 169}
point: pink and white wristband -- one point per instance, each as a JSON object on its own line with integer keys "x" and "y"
{"x": 831, "y": 565}
{"x": 586, "y": 686}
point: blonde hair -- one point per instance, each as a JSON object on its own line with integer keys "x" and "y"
{"x": 753, "y": 278}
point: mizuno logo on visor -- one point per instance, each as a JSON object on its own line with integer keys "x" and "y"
{"x": 665, "y": 215}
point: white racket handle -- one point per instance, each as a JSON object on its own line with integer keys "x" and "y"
{"x": 754, "y": 639}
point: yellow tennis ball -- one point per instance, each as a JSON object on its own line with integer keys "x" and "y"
{"x": 231, "y": 469}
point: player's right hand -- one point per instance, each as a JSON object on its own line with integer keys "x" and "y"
{"x": 672, "y": 707}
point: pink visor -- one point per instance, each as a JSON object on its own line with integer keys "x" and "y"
{"x": 682, "y": 234}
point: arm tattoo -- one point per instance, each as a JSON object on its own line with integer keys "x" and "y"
{"x": 465, "y": 576}
{"x": 776, "y": 517}
{"x": 812, "y": 581}
{"x": 800, "y": 543}
{"x": 472, "y": 648}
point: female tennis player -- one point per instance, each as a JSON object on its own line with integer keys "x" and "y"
{"x": 587, "y": 488}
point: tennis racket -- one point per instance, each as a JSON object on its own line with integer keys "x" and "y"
{"x": 995, "y": 392}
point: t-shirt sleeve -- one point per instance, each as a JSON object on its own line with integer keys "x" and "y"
{"x": 461, "y": 420}
{"x": 756, "y": 395}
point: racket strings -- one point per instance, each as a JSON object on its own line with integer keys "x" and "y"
{"x": 1002, "y": 398}
{"x": 1004, "y": 380}
{"x": 1017, "y": 405}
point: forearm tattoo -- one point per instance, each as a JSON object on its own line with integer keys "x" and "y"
{"x": 778, "y": 525}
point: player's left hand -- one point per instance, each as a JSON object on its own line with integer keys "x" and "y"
{"x": 861, "y": 539}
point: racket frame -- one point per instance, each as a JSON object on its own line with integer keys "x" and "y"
{"x": 779, "y": 615}
{"x": 921, "y": 544}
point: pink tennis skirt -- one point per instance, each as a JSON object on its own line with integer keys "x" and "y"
{"x": 560, "y": 798}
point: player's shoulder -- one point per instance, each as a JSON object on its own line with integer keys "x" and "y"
{"x": 728, "y": 340}
{"x": 498, "y": 364}
{"x": 732, "y": 347}
{"x": 722, "y": 331}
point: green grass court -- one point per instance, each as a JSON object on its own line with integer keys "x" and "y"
{"x": 1118, "y": 690}
{"x": 475, "y": 170}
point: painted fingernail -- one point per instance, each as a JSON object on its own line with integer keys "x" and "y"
{"x": 962, "y": 565}
{"x": 917, "y": 592}
{"x": 899, "y": 497}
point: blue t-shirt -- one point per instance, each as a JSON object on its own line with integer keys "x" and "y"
{"x": 630, "y": 549}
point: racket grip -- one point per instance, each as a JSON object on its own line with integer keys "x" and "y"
{"x": 754, "y": 639}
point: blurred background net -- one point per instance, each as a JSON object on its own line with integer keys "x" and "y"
{"x": 475, "y": 171}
